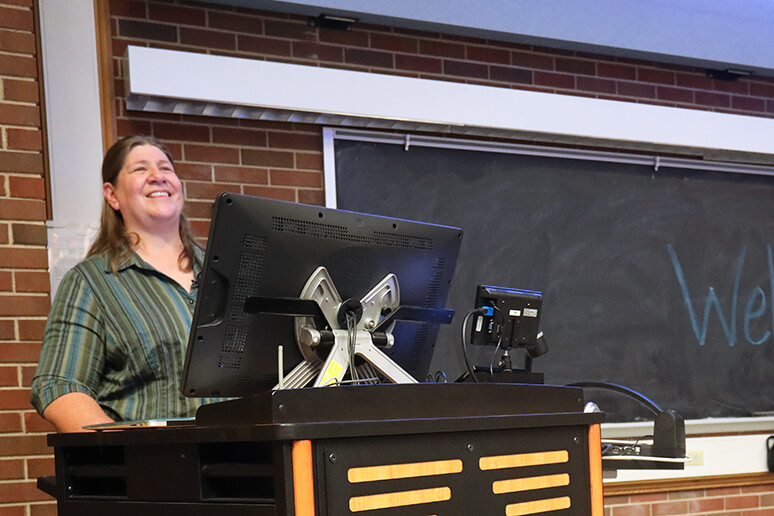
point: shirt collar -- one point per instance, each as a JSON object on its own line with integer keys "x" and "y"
{"x": 134, "y": 260}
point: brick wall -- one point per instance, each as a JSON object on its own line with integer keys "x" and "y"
{"x": 280, "y": 160}
{"x": 24, "y": 284}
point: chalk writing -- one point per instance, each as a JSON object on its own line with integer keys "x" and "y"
{"x": 754, "y": 308}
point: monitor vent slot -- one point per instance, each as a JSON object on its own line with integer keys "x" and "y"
{"x": 331, "y": 231}
{"x": 400, "y": 240}
{"x": 314, "y": 229}
{"x": 434, "y": 285}
{"x": 247, "y": 284}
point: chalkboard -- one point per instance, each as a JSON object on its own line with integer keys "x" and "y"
{"x": 658, "y": 280}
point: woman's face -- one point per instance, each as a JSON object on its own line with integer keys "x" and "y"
{"x": 147, "y": 192}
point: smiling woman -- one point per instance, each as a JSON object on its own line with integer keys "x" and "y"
{"x": 115, "y": 339}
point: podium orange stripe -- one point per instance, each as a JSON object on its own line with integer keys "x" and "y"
{"x": 595, "y": 470}
{"x": 303, "y": 478}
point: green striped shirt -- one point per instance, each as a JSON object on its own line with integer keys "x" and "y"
{"x": 120, "y": 338}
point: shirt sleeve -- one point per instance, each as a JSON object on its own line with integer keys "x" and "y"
{"x": 73, "y": 352}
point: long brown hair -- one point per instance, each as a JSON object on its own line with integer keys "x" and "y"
{"x": 113, "y": 239}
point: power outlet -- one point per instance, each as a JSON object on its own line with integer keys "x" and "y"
{"x": 697, "y": 458}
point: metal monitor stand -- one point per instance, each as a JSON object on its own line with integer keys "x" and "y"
{"x": 384, "y": 297}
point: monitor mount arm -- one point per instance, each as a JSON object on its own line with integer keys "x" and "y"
{"x": 321, "y": 324}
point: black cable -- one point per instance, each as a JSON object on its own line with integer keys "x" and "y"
{"x": 646, "y": 402}
{"x": 464, "y": 343}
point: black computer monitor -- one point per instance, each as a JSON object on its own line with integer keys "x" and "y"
{"x": 263, "y": 248}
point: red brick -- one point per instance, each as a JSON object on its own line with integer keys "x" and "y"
{"x": 267, "y": 158}
{"x": 510, "y": 74}
{"x": 193, "y": 171}
{"x": 422, "y": 64}
{"x": 748, "y": 103}
{"x": 201, "y": 228}
{"x": 166, "y": 131}
{"x": 43, "y": 509}
{"x": 15, "y": 399}
{"x": 17, "y": 19}
{"x": 394, "y": 43}
{"x": 702, "y": 505}
{"x": 208, "y": 191}
{"x": 283, "y": 194}
{"x": 198, "y": 209}
{"x": 318, "y": 51}
{"x": 441, "y": 49}
{"x": 555, "y": 80}
{"x": 40, "y": 467}
{"x": 575, "y": 66}
{"x": 647, "y": 498}
{"x": 350, "y": 38}
{"x": 688, "y": 80}
{"x": 25, "y": 139}
{"x": 616, "y": 71}
{"x": 488, "y": 54}
{"x": 6, "y": 281}
{"x": 596, "y": 85}
{"x": 177, "y": 15}
{"x": 309, "y": 161}
{"x": 15, "y": 510}
{"x": 722, "y": 491}
{"x": 29, "y": 281}
{"x": 262, "y": 45}
{"x": 532, "y": 60}
{"x": 282, "y": 29}
{"x": 128, "y": 8}
{"x": 660, "y": 509}
{"x": 33, "y": 423}
{"x": 295, "y": 178}
{"x": 11, "y": 469}
{"x": 211, "y": 154}
{"x": 9, "y": 376}
{"x": 147, "y": 30}
{"x": 631, "y": 510}
{"x": 23, "y": 491}
{"x": 674, "y": 94}
{"x": 316, "y": 197}
{"x": 208, "y": 38}
{"x": 708, "y": 98}
{"x": 656, "y": 76}
{"x": 20, "y": 352}
{"x": 18, "y": 42}
{"x": 21, "y": 162}
{"x": 27, "y": 373}
{"x": 740, "y": 87}
{"x": 21, "y": 209}
{"x": 29, "y": 234}
{"x": 23, "y": 258}
{"x": 27, "y": 187}
{"x": 235, "y": 22}
{"x": 762, "y": 488}
{"x": 18, "y": 114}
{"x": 239, "y": 136}
{"x": 742, "y": 502}
{"x": 754, "y": 512}
{"x": 251, "y": 175}
{"x": 4, "y": 239}
{"x": 23, "y": 445}
{"x": 465, "y": 69}
{"x": 19, "y": 305}
{"x": 295, "y": 140}
{"x": 761, "y": 89}
{"x": 11, "y": 422}
{"x": 18, "y": 66}
{"x": 636, "y": 89}
{"x": 31, "y": 329}
{"x": 370, "y": 58}
{"x": 7, "y": 330}
{"x": 127, "y": 127}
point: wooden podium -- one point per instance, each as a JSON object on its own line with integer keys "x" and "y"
{"x": 381, "y": 450}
